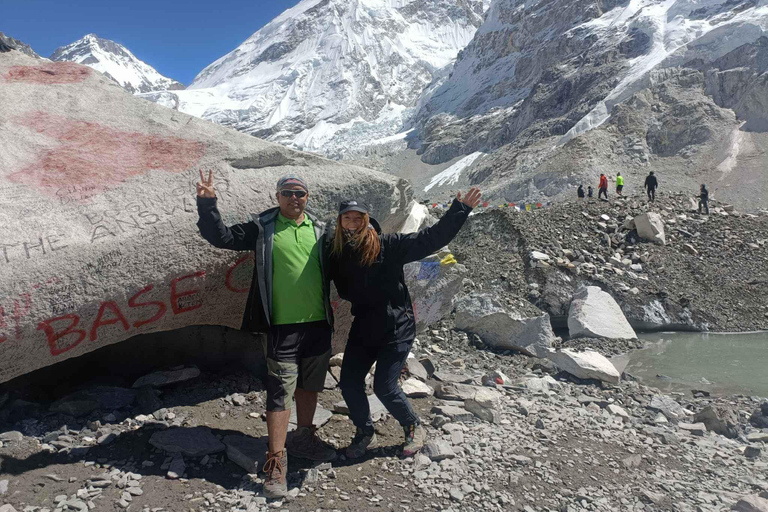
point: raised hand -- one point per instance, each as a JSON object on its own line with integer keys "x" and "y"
{"x": 205, "y": 187}
{"x": 472, "y": 199}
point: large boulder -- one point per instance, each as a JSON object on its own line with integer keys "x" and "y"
{"x": 585, "y": 365}
{"x": 98, "y": 241}
{"x": 650, "y": 226}
{"x": 595, "y": 314}
{"x": 503, "y": 327}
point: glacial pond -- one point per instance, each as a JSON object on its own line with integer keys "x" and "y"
{"x": 718, "y": 363}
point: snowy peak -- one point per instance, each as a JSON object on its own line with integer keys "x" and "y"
{"x": 117, "y": 62}
{"x": 327, "y": 74}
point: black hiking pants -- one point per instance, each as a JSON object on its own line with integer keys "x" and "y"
{"x": 389, "y": 359}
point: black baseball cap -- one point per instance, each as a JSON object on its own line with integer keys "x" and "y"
{"x": 351, "y": 206}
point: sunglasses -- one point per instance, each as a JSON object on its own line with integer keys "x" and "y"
{"x": 290, "y": 193}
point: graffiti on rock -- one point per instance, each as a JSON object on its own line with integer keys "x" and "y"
{"x": 92, "y": 158}
{"x": 51, "y": 73}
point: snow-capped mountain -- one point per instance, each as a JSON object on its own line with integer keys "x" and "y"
{"x": 115, "y": 61}
{"x": 327, "y": 74}
{"x": 8, "y": 43}
{"x": 555, "y": 90}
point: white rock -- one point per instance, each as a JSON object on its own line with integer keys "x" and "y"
{"x": 650, "y": 226}
{"x": 337, "y": 359}
{"x": 541, "y": 384}
{"x": 595, "y": 314}
{"x": 484, "y": 405}
{"x": 617, "y": 411}
{"x": 585, "y": 365}
{"x": 539, "y": 256}
{"x": 98, "y": 217}
{"x": 414, "y": 388}
{"x": 487, "y": 317}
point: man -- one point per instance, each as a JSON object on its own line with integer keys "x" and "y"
{"x": 289, "y": 301}
{"x": 619, "y": 183}
{"x": 580, "y": 191}
{"x": 651, "y": 183}
{"x": 590, "y": 192}
{"x": 704, "y": 198}
{"x": 602, "y": 188}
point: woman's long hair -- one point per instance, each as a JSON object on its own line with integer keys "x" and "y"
{"x": 365, "y": 242}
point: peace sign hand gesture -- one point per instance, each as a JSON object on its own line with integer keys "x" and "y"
{"x": 472, "y": 199}
{"x": 205, "y": 187}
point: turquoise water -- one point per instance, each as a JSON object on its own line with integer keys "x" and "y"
{"x": 719, "y": 363}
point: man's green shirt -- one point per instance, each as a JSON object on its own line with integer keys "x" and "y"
{"x": 297, "y": 279}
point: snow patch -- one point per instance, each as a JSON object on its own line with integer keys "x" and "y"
{"x": 451, "y": 175}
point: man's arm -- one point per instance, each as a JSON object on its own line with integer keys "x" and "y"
{"x": 240, "y": 237}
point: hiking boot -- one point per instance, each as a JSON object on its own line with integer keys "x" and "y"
{"x": 362, "y": 442}
{"x": 414, "y": 439}
{"x": 276, "y": 468}
{"x": 306, "y": 445}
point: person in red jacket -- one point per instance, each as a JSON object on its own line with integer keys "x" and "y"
{"x": 603, "y": 187}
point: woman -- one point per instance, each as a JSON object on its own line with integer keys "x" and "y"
{"x": 367, "y": 268}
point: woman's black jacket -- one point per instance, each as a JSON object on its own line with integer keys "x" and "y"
{"x": 380, "y": 300}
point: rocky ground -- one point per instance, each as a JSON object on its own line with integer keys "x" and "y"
{"x": 547, "y": 441}
{"x": 710, "y": 275}
{"x": 507, "y": 431}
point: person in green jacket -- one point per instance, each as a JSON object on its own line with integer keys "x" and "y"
{"x": 619, "y": 183}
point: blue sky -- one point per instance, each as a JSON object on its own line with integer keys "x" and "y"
{"x": 176, "y": 37}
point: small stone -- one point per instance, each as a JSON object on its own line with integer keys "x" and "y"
{"x": 414, "y": 388}
{"x": 697, "y": 429}
{"x": 12, "y": 436}
{"x": 456, "y": 495}
{"x": 752, "y": 451}
{"x": 421, "y": 461}
{"x": 3, "y": 486}
{"x": 177, "y": 468}
{"x": 438, "y": 450}
{"x": 239, "y": 399}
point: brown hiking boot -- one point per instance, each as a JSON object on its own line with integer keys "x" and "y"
{"x": 414, "y": 439}
{"x": 276, "y": 469}
{"x": 306, "y": 445}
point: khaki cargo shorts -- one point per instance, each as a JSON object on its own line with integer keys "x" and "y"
{"x": 297, "y": 357}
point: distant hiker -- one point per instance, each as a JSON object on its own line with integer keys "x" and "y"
{"x": 651, "y": 183}
{"x": 367, "y": 268}
{"x": 580, "y": 192}
{"x": 619, "y": 183}
{"x": 590, "y": 192}
{"x": 704, "y": 198}
{"x": 602, "y": 189}
{"x": 291, "y": 304}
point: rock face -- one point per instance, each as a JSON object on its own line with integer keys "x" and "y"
{"x": 595, "y": 314}
{"x": 585, "y": 365}
{"x": 99, "y": 241}
{"x": 651, "y": 227}
{"x": 485, "y": 316}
